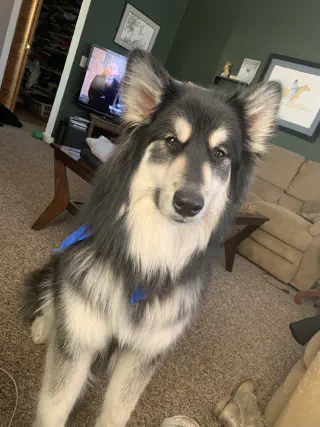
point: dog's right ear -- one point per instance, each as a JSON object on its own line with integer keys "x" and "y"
{"x": 143, "y": 86}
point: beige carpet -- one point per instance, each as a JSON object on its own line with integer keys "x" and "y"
{"x": 241, "y": 332}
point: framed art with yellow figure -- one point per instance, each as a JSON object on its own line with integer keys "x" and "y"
{"x": 300, "y": 107}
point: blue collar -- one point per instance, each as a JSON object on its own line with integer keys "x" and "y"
{"x": 84, "y": 232}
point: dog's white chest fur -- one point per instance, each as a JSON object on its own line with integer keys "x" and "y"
{"x": 158, "y": 327}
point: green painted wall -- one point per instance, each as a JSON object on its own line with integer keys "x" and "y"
{"x": 285, "y": 27}
{"x": 213, "y": 32}
{"x": 201, "y": 39}
{"x": 100, "y": 28}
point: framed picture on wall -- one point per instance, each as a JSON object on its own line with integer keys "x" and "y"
{"x": 300, "y": 106}
{"x": 136, "y": 30}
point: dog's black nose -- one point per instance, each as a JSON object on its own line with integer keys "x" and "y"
{"x": 187, "y": 202}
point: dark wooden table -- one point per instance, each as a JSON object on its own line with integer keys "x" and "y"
{"x": 61, "y": 199}
{"x": 250, "y": 222}
{"x": 97, "y": 121}
{"x": 62, "y": 160}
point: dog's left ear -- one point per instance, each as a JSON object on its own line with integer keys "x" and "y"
{"x": 258, "y": 110}
{"x": 143, "y": 86}
{"x": 260, "y": 107}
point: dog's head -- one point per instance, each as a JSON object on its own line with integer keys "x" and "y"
{"x": 197, "y": 147}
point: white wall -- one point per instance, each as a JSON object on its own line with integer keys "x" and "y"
{"x": 6, "y": 9}
{"x": 67, "y": 67}
{"x": 9, "y": 12}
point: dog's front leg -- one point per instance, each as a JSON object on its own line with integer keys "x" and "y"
{"x": 130, "y": 376}
{"x": 63, "y": 379}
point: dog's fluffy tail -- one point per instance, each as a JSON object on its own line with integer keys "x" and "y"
{"x": 37, "y": 290}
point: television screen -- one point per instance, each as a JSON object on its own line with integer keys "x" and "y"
{"x": 100, "y": 89}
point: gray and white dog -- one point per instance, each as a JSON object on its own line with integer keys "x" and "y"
{"x": 157, "y": 210}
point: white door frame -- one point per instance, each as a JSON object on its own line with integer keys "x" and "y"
{"x": 9, "y": 37}
{"x": 67, "y": 67}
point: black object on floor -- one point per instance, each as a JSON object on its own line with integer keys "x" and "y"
{"x": 7, "y": 117}
{"x": 304, "y": 329}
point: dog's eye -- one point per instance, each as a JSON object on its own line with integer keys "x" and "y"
{"x": 172, "y": 141}
{"x": 219, "y": 154}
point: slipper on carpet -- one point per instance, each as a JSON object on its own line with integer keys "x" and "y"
{"x": 179, "y": 421}
{"x": 240, "y": 408}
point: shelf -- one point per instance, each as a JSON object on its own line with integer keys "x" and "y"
{"x": 51, "y": 49}
{"x": 44, "y": 90}
{"x": 39, "y": 92}
{"x": 45, "y": 53}
{"x": 239, "y": 82}
{"x": 42, "y": 38}
{"x": 62, "y": 36}
{"x": 59, "y": 73}
{"x": 66, "y": 8}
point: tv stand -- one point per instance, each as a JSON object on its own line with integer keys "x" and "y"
{"x": 105, "y": 123}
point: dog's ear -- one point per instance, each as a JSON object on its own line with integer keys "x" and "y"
{"x": 143, "y": 86}
{"x": 260, "y": 108}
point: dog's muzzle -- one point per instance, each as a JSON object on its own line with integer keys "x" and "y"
{"x": 187, "y": 202}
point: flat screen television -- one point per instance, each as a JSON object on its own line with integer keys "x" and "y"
{"x": 100, "y": 88}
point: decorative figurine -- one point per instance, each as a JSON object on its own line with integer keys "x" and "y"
{"x": 226, "y": 69}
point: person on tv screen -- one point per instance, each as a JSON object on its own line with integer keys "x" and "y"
{"x": 104, "y": 88}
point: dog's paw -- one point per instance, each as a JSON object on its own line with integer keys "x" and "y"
{"x": 38, "y": 331}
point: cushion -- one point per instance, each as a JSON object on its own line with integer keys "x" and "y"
{"x": 311, "y": 211}
{"x": 275, "y": 245}
{"x": 279, "y": 166}
{"x": 303, "y": 407}
{"x": 309, "y": 268}
{"x": 314, "y": 230}
{"x": 290, "y": 203}
{"x": 305, "y": 185}
{"x": 268, "y": 192}
{"x": 312, "y": 348}
{"x": 285, "y": 225}
{"x": 284, "y": 392}
{"x": 268, "y": 260}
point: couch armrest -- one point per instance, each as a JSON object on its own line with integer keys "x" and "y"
{"x": 303, "y": 407}
{"x": 311, "y": 349}
{"x": 314, "y": 230}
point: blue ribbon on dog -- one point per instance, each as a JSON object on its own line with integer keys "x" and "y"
{"x": 137, "y": 295}
{"x": 81, "y": 233}
{"x": 84, "y": 232}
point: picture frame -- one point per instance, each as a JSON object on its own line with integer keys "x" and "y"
{"x": 300, "y": 107}
{"x": 136, "y": 30}
{"x": 248, "y": 70}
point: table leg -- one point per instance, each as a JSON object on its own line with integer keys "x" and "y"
{"x": 231, "y": 244}
{"x": 91, "y": 127}
{"x": 61, "y": 196}
{"x": 315, "y": 292}
{"x": 73, "y": 208}
{"x": 230, "y": 253}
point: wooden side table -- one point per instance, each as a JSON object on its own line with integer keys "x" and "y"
{"x": 62, "y": 160}
{"x": 105, "y": 124}
{"x": 251, "y": 223}
{"x": 61, "y": 199}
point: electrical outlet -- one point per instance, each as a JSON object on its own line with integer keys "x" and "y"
{"x": 83, "y": 61}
